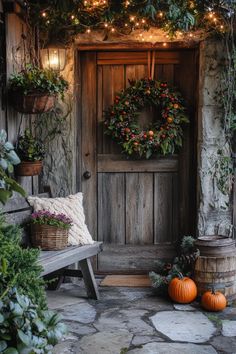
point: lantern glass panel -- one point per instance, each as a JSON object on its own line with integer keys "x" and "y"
{"x": 53, "y": 58}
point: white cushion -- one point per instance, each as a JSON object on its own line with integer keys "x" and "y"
{"x": 71, "y": 206}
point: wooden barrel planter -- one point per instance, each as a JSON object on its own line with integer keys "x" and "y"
{"x": 34, "y": 103}
{"x": 216, "y": 265}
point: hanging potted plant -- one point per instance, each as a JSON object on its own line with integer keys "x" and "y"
{"x": 31, "y": 152}
{"x": 34, "y": 90}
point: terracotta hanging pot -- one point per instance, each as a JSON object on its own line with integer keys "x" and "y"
{"x": 29, "y": 168}
{"x": 33, "y": 103}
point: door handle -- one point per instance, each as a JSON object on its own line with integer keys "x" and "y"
{"x": 87, "y": 175}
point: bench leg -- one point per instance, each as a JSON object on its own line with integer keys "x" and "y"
{"x": 89, "y": 279}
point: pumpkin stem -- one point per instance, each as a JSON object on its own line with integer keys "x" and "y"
{"x": 180, "y": 275}
{"x": 213, "y": 290}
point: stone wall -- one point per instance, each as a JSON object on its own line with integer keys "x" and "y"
{"x": 214, "y": 214}
{"x": 59, "y": 171}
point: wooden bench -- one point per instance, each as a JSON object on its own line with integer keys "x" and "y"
{"x": 55, "y": 263}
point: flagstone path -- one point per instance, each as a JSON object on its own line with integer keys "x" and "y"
{"x": 136, "y": 321}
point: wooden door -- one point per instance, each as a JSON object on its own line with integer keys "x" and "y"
{"x": 138, "y": 208}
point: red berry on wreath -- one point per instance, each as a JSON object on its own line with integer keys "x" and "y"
{"x": 150, "y": 137}
{"x": 127, "y": 103}
{"x": 127, "y": 130}
{"x": 145, "y": 136}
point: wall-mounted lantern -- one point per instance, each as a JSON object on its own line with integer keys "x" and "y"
{"x": 53, "y": 56}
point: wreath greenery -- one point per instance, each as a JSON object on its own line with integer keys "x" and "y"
{"x": 164, "y": 136}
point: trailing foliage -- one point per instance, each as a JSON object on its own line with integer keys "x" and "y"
{"x": 34, "y": 79}
{"x": 63, "y": 19}
{"x": 183, "y": 263}
{"x": 22, "y": 269}
{"x": 24, "y": 328}
{"x": 30, "y": 148}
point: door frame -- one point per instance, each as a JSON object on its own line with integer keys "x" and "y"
{"x": 88, "y": 161}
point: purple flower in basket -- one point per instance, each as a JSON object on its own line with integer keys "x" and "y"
{"x": 45, "y": 217}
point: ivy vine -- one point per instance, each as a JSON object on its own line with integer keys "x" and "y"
{"x": 64, "y": 19}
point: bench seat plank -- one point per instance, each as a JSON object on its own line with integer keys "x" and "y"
{"x": 54, "y": 260}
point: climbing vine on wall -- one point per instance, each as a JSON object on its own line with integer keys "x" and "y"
{"x": 223, "y": 162}
{"x": 65, "y": 18}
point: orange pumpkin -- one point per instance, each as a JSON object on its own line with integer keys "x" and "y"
{"x": 182, "y": 290}
{"x": 213, "y": 301}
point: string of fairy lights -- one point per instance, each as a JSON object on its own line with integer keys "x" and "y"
{"x": 91, "y": 16}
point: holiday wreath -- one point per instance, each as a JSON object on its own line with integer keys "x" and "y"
{"x": 164, "y": 136}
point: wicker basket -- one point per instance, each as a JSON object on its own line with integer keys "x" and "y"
{"x": 34, "y": 103}
{"x": 49, "y": 238}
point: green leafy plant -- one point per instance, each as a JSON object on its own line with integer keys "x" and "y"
{"x": 22, "y": 269}
{"x": 34, "y": 79}
{"x": 43, "y": 217}
{"x": 183, "y": 263}
{"x": 8, "y": 158}
{"x": 64, "y": 19}
{"x": 30, "y": 148}
{"x": 24, "y": 328}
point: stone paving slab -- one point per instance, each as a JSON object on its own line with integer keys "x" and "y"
{"x": 62, "y": 299}
{"x": 105, "y": 343}
{"x": 224, "y": 344}
{"x": 173, "y": 348}
{"x": 181, "y": 307}
{"x": 182, "y": 326}
{"x": 138, "y": 340}
{"x": 82, "y": 312}
{"x": 130, "y": 320}
{"x": 229, "y": 328}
